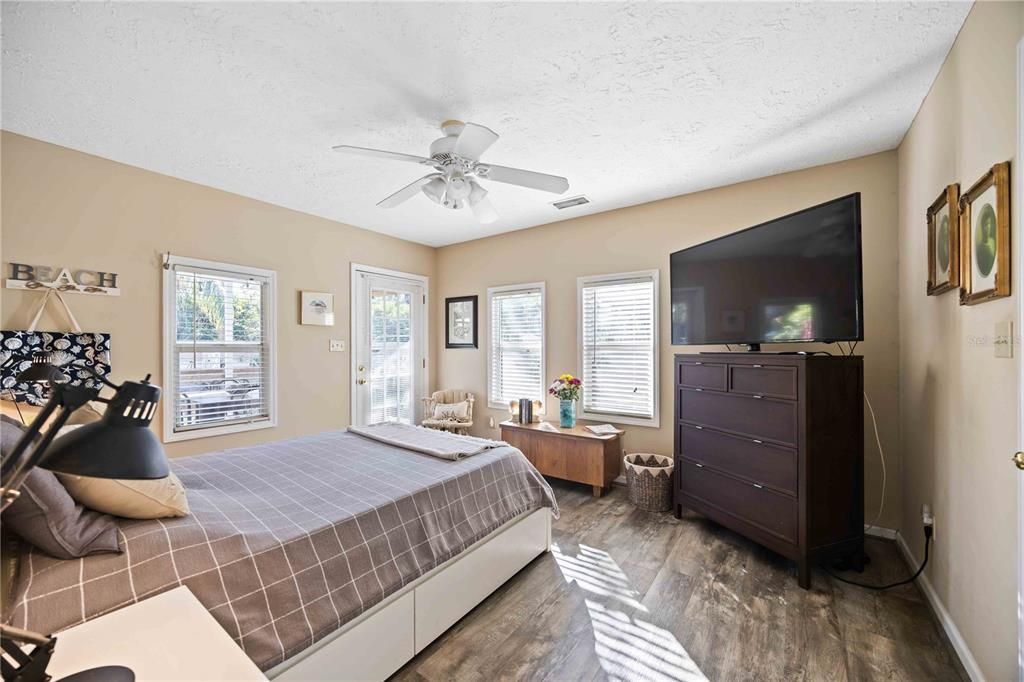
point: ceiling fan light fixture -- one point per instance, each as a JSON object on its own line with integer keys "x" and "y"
{"x": 435, "y": 190}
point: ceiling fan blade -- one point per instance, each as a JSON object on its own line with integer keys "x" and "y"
{"x": 407, "y": 192}
{"x": 484, "y": 211}
{"x": 524, "y": 178}
{"x": 474, "y": 140}
{"x": 382, "y": 154}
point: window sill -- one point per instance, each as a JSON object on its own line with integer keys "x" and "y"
{"x": 615, "y": 419}
{"x": 504, "y": 406}
{"x": 173, "y": 437}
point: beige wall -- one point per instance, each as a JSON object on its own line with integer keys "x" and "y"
{"x": 642, "y": 237}
{"x": 65, "y": 208}
{"x": 958, "y": 402}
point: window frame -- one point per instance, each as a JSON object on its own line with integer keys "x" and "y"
{"x": 491, "y": 291}
{"x": 581, "y": 283}
{"x": 170, "y": 347}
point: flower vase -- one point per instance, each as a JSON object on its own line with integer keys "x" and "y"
{"x": 567, "y": 414}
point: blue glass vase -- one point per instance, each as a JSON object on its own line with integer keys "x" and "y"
{"x": 567, "y": 414}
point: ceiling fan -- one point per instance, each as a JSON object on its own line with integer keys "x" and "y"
{"x": 455, "y": 159}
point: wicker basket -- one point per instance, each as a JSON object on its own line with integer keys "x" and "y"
{"x": 649, "y": 481}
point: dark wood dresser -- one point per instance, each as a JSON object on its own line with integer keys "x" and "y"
{"x": 772, "y": 446}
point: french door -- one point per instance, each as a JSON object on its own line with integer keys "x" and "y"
{"x": 388, "y": 345}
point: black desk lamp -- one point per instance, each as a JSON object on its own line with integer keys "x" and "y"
{"x": 120, "y": 445}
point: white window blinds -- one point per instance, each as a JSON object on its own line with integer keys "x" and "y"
{"x": 517, "y": 344}
{"x": 219, "y": 369}
{"x": 619, "y": 347}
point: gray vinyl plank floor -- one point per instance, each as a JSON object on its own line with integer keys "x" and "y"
{"x": 630, "y": 595}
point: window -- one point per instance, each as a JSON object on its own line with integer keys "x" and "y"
{"x": 219, "y": 362}
{"x": 516, "y": 355}
{"x": 619, "y": 347}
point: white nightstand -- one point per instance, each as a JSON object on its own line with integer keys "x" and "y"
{"x": 167, "y": 637}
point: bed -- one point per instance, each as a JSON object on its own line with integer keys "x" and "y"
{"x": 309, "y": 550}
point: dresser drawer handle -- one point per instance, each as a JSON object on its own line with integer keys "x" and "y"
{"x": 759, "y": 442}
{"x": 758, "y": 397}
{"x": 699, "y": 390}
{"x": 758, "y": 486}
{"x": 698, "y": 363}
{"x": 699, "y": 466}
{"x": 699, "y": 428}
{"x": 757, "y": 366}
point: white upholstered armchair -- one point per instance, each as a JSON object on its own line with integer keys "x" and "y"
{"x": 455, "y": 413}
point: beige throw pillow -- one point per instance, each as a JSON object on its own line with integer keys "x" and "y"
{"x": 143, "y": 499}
{"x": 452, "y": 411}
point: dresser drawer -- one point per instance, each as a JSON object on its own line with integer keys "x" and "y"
{"x": 770, "y": 511}
{"x": 762, "y": 463}
{"x": 764, "y": 419}
{"x": 698, "y": 374}
{"x": 766, "y": 380}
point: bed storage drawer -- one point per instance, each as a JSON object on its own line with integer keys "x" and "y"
{"x": 758, "y": 506}
{"x": 446, "y": 597}
{"x": 372, "y": 648}
{"x": 701, "y": 375}
{"x": 764, "y": 380}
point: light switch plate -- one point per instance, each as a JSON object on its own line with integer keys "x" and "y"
{"x": 1003, "y": 341}
{"x": 337, "y": 345}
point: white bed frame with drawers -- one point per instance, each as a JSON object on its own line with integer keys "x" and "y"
{"x": 384, "y": 638}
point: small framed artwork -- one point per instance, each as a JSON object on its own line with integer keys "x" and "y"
{"x": 461, "y": 322}
{"x": 985, "y": 237}
{"x": 944, "y": 242}
{"x": 317, "y": 308}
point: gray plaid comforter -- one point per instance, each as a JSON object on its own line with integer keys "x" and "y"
{"x": 289, "y": 540}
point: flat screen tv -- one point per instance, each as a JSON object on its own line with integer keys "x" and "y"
{"x": 792, "y": 279}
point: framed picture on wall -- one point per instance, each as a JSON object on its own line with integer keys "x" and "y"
{"x": 460, "y": 314}
{"x": 985, "y": 237}
{"x": 944, "y": 242}
{"x": 317, "y": 308}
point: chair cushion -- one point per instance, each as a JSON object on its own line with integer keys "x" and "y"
{"x": 452, "y": 411}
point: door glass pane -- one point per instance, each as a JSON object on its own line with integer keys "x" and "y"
{"x": 392, "y": 360}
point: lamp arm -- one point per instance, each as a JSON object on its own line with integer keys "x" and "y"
{"x": 106, "y": 382}
{"x": 17, "y": 464}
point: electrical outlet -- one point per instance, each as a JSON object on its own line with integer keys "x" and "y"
{"x": 337, "y": 345}
{"x": 1003, "y": 340}
{"x": 928, "y": 518}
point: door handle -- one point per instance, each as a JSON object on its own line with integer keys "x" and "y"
{"x": 1018, "y": 459}
{"x": 360, "y": 381}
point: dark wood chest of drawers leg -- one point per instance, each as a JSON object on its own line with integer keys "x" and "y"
{"x": 772, "y": 446}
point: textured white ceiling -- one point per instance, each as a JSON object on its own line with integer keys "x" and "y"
{"x": 631, "y": 102}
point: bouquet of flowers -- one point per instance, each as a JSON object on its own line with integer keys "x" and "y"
{"x": 566, "y": 387}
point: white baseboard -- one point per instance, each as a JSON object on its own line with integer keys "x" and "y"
{"x": 879, "y": 532}
{"x": 940, "y": 611}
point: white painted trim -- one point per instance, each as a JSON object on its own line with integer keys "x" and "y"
{"x": 499, "y": 543}
{"x": 880, "y": 532}
{"x": 655, "y": 420}
{"x": 270, "y": 321}
{"x": 942, "y": 614}
{"x": 1016, "y": 346}
{"x": 543, "y": 339}
{"x": 421, "y": 280}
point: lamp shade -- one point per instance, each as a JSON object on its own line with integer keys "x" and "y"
{"x": 42, "y": 369}
{"x": 120, "y": 445}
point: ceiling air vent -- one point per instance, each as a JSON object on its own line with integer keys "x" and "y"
{"x": 570, "y": 202}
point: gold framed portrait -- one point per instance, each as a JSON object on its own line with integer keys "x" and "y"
{"x": 944, "y": 242}
{"x": 985, "y": 237}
